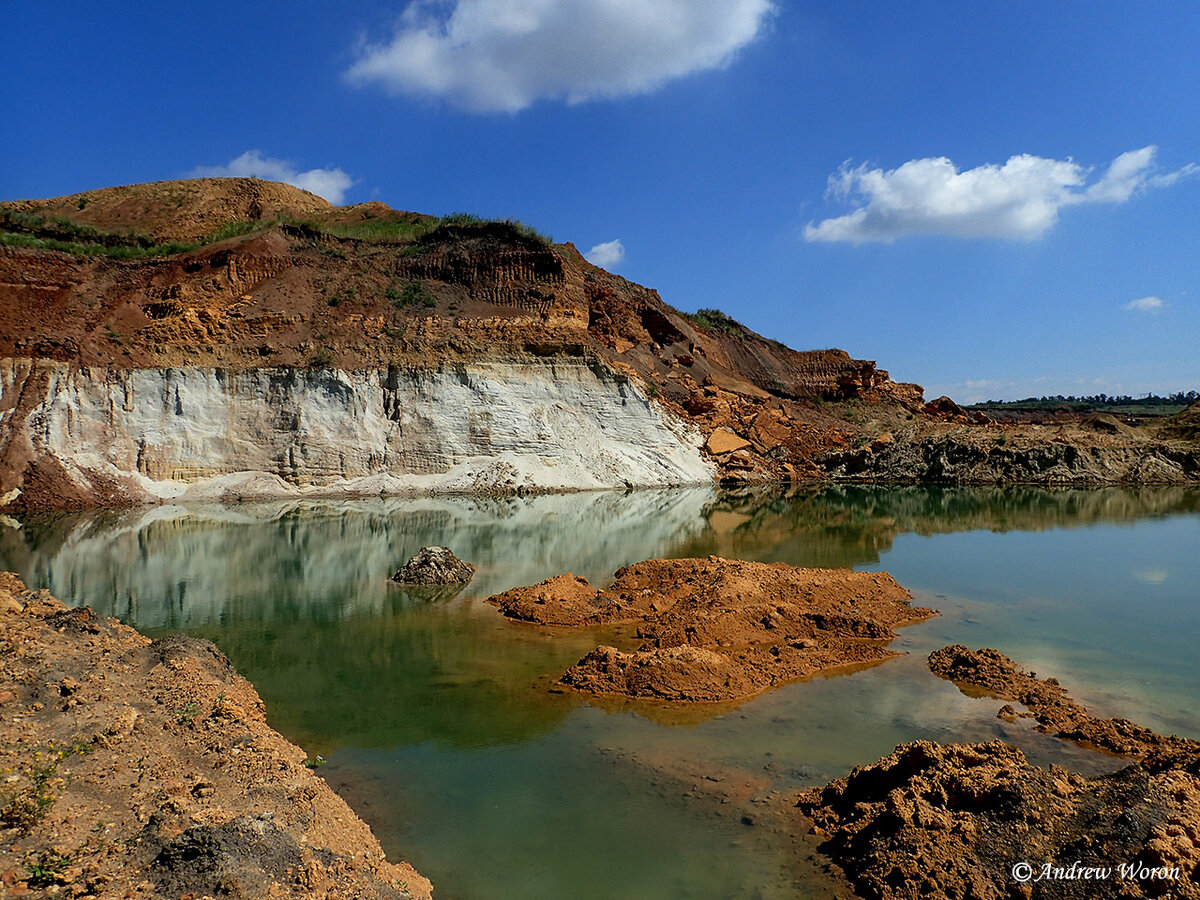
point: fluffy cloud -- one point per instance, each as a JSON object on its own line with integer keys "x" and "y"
{"x": 503, "y": 55}
{"x": 606, "y": 255}
{"x": 331, "y": 184}
{"x": 1151, "y": 305}
{"x": 1020, "y": 199}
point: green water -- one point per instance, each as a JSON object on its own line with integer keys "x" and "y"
{"x": 440, "y": 724}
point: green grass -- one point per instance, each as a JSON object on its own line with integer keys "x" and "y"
{"x": 414, "y": 294}
{"x": 25, "y": 806}
{"x": 18, "y": 229}
{"x": 377, "y": 231}
{"x": 21, "y": 229}
{"x": 715, "y": 320}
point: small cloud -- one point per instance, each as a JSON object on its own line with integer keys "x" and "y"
{"x": 606, "y": 255}
{"x": 331, "y": 184}
{"x": 1152, "y": 305}
{"x": 1152, "y": 576}
{"x": 489, "y": 56}
{"x": 1020, "y": 199}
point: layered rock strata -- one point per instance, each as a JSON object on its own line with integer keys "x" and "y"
{"x": 72, "y": 436}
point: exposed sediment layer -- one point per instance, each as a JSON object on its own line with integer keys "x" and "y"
{"x": 138, "y": 769}
{"x": 716, "y": 629}
{"x": 980, "y": 456}
{"x": 81, "y": 436}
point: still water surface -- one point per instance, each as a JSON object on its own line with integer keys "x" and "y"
{"x": 437, "y": 716}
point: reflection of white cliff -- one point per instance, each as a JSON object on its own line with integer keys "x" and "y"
{"x": 204, "y": 433}
{"x": 176, "y": 566}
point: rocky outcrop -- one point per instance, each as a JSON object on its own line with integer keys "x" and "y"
{"x": 267, "y": 289}
{"x": 79, "y": 436}
{"x": 434, "y": 565}
{"x": 276, "y": 295}
{"x": 1008, "y": 456}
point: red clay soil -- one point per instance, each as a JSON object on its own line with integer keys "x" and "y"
{"x": 716, "y": 629}
{"x": 137, "y": 769}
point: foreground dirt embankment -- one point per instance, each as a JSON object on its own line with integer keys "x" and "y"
{"x": 719, "y": 629}
{"x": 139, "y": 768}
{"x": 979, "y": 821}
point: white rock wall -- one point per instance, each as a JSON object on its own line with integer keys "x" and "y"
{"x": 196, "y": 433}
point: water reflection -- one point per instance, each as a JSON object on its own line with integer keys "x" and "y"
{"x": 434, "y": 712}
{"x": 186, "y": 567}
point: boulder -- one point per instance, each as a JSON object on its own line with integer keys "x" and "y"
{"x": 434, "y": 565}
{"x": 723, "y": 441}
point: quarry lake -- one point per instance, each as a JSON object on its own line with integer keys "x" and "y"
{"x": 441, "y": 725}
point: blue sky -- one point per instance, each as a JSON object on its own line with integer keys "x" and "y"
{"x": 992, "y": 200}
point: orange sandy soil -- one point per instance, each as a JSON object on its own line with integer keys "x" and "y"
{"x": 717, "y": 629}
{"x": 953, "y": 821}
{"x": 991, "y": 673}
{"x": 135, "y": 768}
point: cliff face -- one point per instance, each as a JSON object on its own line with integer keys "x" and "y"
{"x": 230, "y": 337}
{"x": 75, "y": 435}
{"x": 282, "y": 345}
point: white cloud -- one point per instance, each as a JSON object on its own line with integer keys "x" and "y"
{"x": 1020, "y": 199}
{"x": 331, "y": 184}
{"x": 504, "y": 55}
{"x": 606, "y": 255}
{"x": 1152, "y": 305}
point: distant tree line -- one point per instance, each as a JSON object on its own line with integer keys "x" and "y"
{"x": 1094, "y": 401}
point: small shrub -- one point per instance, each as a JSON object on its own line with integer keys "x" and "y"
{"x": 44, "y": 871}
{"x": 715, "y": 320}
{"x": 414, "y": 294}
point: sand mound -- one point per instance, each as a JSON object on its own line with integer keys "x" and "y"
{"x": 995, "y": 674}
{"x": 964, "y": 820}
{"x": 717, "y": 629}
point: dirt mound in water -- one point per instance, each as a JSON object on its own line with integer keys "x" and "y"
{"x": 139, "y": 768}
{"x": 978, "y": 821}
{"x": 434, "y": 566}
{"x": 717, "y": 629}
{"x": 994, "y": 674}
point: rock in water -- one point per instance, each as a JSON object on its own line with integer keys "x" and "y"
{"x": 434, "y": 565}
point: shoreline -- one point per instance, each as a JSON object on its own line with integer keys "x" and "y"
{"x": 143, "y": 768}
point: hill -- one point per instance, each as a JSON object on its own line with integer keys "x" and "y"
{"x": 241, "y": 280}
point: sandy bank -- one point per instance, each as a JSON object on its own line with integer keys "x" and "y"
{"x": 137, "y": 768}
